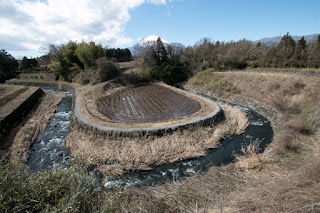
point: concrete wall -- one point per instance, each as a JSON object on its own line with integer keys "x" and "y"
{"x": 85, "y": 126}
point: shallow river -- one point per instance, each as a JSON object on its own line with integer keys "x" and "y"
{"x": 49, "y": 150}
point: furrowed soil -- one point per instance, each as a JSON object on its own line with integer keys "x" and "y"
{"x": 140, "y": 107}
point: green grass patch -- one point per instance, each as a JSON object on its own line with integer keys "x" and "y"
{"x": 36, "y": 77}
{"x": 214, "y": 82}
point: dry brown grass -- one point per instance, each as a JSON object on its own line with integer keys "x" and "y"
{"x": 250, "y": 159}
{"x": 115, "y": 156}
{"x": 288, "y": 93}
{"x": 285, "y": 178}
{"x": 295, "y": 191}
{"x": 30, "y": 131}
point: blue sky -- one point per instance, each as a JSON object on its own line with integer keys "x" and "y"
{"x": 187, "y": 21}
{"x": 28, "y": 27}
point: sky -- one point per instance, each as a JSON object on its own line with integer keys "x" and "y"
{"x": 27, "y": 27}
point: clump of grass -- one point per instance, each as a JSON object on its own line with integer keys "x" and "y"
{"x": 214, "y": 82}
{"x": 51, "y": 191}
{"x": 289, "y": 130}
{"x": 251, "y": 159}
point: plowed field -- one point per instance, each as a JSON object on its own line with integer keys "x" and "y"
{"x": 147, "y": 103}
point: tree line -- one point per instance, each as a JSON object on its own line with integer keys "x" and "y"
{"x": 172, "y": 63}
{"x": 245, "y": 54}
{"x": 175, "y": 63}
{"x": 68, "y": 59}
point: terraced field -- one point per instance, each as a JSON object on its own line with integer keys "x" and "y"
{"x": 145, "y": 104}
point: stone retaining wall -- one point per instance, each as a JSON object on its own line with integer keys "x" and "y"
{"x": 103, "y": 131}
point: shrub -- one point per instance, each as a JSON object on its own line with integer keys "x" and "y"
{"x": 106, "y": 69}
{"x": 103, "y": 70}
{"x": 140, "y": 76}
{"x": 284, "y": 141}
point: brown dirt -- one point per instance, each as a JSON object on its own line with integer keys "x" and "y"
{"x": 146, "y": 104}
{"x": 115, "y": 157}
{"x": 29, "y": 132}
{"x": 88, "y": 98}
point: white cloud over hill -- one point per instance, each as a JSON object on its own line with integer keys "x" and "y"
{"x": 30, "y": 25}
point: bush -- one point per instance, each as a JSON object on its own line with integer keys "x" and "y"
{"x": 103, "y": 70}
{"x": 106, "y": 69}
{"x": 170, "y": 73}
{"x": 140, "y": 76}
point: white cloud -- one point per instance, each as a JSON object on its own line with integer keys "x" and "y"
{"x": 30, "y": 25}
{"x": 157, "y": 2}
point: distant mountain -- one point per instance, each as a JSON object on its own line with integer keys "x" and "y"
{"x": 142, "y": 46}
{"x": 151, "y": 40}
{"x": 276, "y": 40}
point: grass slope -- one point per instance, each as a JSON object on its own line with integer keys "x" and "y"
{"x": 283, "y": 179}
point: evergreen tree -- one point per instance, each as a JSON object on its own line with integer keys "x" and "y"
{"x": 300, "y": 53}
{"x": 8, "y": 64}
{"x": 27, "y": 64}
{"x": 161, "y": 52}
{"x": 286, "y": 49}
{"x": 302, "y": 43}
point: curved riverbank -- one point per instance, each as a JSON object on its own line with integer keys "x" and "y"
{"x": 273, "y": 115}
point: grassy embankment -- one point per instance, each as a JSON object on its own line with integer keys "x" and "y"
{"x": 285, "y": 179}
{"x": 35, "y": 77}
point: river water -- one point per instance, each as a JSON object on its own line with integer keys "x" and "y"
{"x": 49, "y": 151}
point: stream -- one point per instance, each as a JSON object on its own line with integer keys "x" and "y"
{"x": 49, "y": 151}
